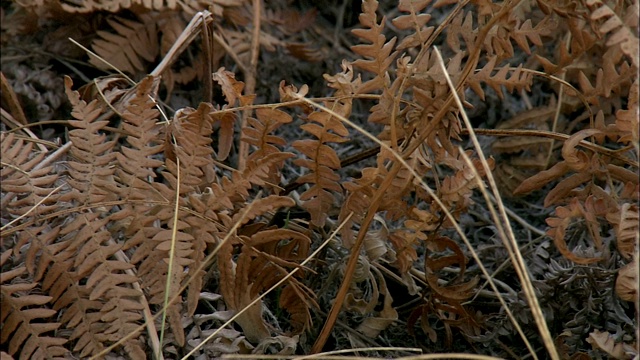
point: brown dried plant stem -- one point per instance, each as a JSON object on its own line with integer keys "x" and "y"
{"x": 250, "y": 80}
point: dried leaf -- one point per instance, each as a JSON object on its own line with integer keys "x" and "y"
{"x": 604, "y": 341}
{"x": 627, "y": 282}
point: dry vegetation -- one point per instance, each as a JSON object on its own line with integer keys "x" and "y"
{"x": 282, "y": 178}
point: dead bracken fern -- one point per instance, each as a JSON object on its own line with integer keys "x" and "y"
{"x": 144, "y": 208}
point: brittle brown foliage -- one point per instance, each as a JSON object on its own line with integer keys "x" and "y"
{"x": 147, "y": 224}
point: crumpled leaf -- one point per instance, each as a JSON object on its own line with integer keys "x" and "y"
{"x": 373, "y": 326}
{"x": 625, "y": 223}
{"x": 604, "y": 341}
{"x": 627, "y": 282}
{"x": 287, "y": 344}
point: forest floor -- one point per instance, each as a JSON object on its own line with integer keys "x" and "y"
{"x": 559, "y": 137}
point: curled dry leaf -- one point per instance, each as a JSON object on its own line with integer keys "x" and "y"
{"x": 576, "y": 159}
{"x": 625, "y": 223}
{"x": 604, "y": 341}
{"x": 627, "y": 282}
{"x": 372, "y": 326}
{"x": 558, "y": 227}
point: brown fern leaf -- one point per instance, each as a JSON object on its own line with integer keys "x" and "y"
{"x": 623, "y": 28}
{"x": 51, "y": 262}
{"x": 268, "y": 155}
{"x": 379, "y": 54}
{"x": 257, "y": 172}
{"x": 206, "y": 228}
{"x": 278, "y": 248}
{"x": 226, "y": 122}
{"x": 183, "y": 260}
{"x": 23, "y": 182}
{"x": 405, "y": 243}
{"x": 91, "y": 174}
{"x": 231, "y": 88}
{"x": 565, "y": 54}
{"x": 259, "y": 132}
{"x": 415, "y": 21}
{"x": 436, "y": 262}
{"x": 152, "y": 258}
{"x": 294, "y": 303}
{"x": 542, "y": 178}
{"x": 264, "y": 164}
{"x": 263, "y": 205}
{"x": 526, "y": 33}
{"x": 108, "y": 287}
{"x": 117, "y": 5}
{"x": 25, "y": 328}
{"x": 627, "y": 281}
{"x": 89, "y": 243}
{"x": 189, "y": 139}
{"x": 132, "y": 46}
{"x": 406, "y": 240}
{"x": 235, "y": 287}
{"x": 462, "y": 27}
{"x": 456, "y": 190}
{"x": 518, "y": 80}
{"x": 322, "y": 159}
{"x": 584, "y": 166}
{"x": 145, "y": 140}
{"x": 608, "y": 80}
{"x": 446, "y": 301}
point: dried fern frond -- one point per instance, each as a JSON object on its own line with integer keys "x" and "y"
{"x": 379, "y": 54}
{"x": 517, "y": 80}
{"x": 414, "y": 21}
{"x": 91, "y": 172}
{"x": 456, "y": 190}
{"x": 114, "y": 6}
{"x": 137, "y": 161}
{"x": 627, "y": 282}
{"x": 189, "y": 139}
{"x": 132, "y": 44}
{"x": 24, "y": 182}
{"x": 322, "y": 159}
{"x": 24, "y": 317}
{"x": 620, "y": 26}
{"x": 87, "y": 251}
